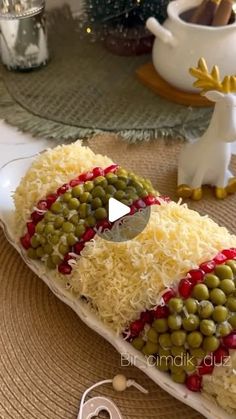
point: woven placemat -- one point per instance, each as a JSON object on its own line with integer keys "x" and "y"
{"x": 86, "y": 89}
{"x": 48, "y": 357}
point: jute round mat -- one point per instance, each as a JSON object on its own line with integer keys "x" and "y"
{"x": 48, "y": 357}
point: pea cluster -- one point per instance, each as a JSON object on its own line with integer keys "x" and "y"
{"x": 80, "y": 208}
{"x": 195, "y": 325}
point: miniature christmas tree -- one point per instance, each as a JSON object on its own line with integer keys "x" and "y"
{"x": 114, "y": 20}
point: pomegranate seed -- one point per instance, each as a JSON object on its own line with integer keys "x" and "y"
{"x": 139, "y": 204}
{"x": 133, "y": 209}
{"x": 147, "y": 317}
{"x": 85, "y": 176}
{"x": 220, "y": 354}
{"x": 230, "y": 340}
{"x": 78, "y": 247}
{"x": 88, "y": 235}
{"x": 75, "y": 182}
{"x": 31, "y": 228}
{"x": 104, "y": 224}
{"x": 136, "y": 327}
{"x": 161, "y": 312}
{"x": 36, "y": 216}
{"x": 196, "y": 276}
{"x": 206, "y": 367}
{"x": 25, "y": 241}
{"x": 68, "y": 256}
{"x": 63, "y": 189}
{"x": 168, "y": 295}
{"x": 111, "y": 169}
{"x": 149, "y": 200}
{"x": 185, "y": 287}
{"x": 165, "y": 198}
{"x": 194, "y": 382}
{"x": 98, "y": 171}
{"x": 208, "y": 267}
{"x": 229, "y": 253}
{"x": 64, "y": 268}
{"x": 220, "y": 258}
{"x": 50, "y": 199}
{"x": 42, "y": 205}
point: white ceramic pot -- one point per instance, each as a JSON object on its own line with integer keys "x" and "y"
{"x": 179, "y": 45}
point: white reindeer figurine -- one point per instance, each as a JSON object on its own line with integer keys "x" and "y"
{"x": 206, "y": 160}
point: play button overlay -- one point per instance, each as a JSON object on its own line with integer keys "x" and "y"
{"x": 125, "y": 226}
{"x": 116, "y": 210}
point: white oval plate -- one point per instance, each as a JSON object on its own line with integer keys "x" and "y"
{"x": 10, "y": 175}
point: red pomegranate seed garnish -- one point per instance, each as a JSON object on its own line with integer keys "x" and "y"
{"x": 133, "y": 209}
{"x": 206, "y": 367}
{"x": 68, "y": 257}
{"x": 98, "y": 171}
{"x": 78, "y": 247}
{"x": 75, "y": 182}
{"x": 64, "y": 268}
{"x": 42, "y": 205}
{"x": 185, "y": 287}
{"x": 168, "y": 295}
{"x": 150, "y": 200}
{"x": 139, "y": 204}
{"x": 194, "y": 382}
{"x": 50, "y": 199}
{"x": 88, "y": 235}
{"x": 111, "y": 169}
{"x": 220, "y": 354}
{"x": 147, "y": 317}
{"x": 220, "y": 258}
{"x": 25, "y": 241}
{"x": 63, "y": 189}
{"x": 196, "y": 276}
{"x": 31, "y": 228}
{"x": 161, "y": 312}
{"x": 104, "y": 224}
{"x": 36, "y": 216}
{"x": 230, "y": 340}
{"x": 165, "y": 198}
{"x": 208, "y": 267}
{"x": 229, "y": 253}
{"x": 86, "y": 176}
{"x": 136, "y": 327}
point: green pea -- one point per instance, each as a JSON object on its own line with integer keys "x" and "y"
{"x": 84, "y": 210}
{"x": 220, "y": 314}
{"x": 163, "y": 364}
{"x": 150, "y": 348}
{"x": 122, "y": 172}
{"x": 88, "y": 186}
{"x": 174, "y": 322}
{"x": 31, "y": 253}
{"x": 73, "y": 204}
{"x": 98, "y": 192}
{"x": 35, "y": 241}
{"x": 210, "y": 344}
{"x": 56, "y": 207}
{"x": 40, "y": 227}
{"x": 85, "y": 197}
{"x": 96, "y": 203}
{"x": 178, "y": 350}
{"x": 100, "y": 213}
{"x": 175, "y": 368}
{"x": 178, "y": 337}
{"x": 119, "y": 195}
{"x": 76, "y": 191}
{"x": 160, "y": 325}
{"x": 191, "y": 322}
{"x": 71, "y": 239}
{"x": 190, "y": 365}
{"x": 79, "y": 230}
{"x": 191, "y": 305}
{"x": 55, "y": 239}
{"x": 179, "y": 377}
{"x": 231, "y": 303}
{"x": 68, "y": 227}
{"x": 130, "y": 190}
{"x": 205, "y": 309}
{"x": 50, "y": 264}
{"x": 59, "y": 220}
{"x": 232, "y": 265}
{"x": 49, "y": 229}
{"x": 211, "y": 281}
{"x": 138, "y": 343}
{"x": 120, "y": 184}
{"x": 152, "y": 335}
{"x": 227, "y": 286}
{"x": 111, "y": 178}
{"x": 165, "y": 340}
{"x": 100, "y": 180}
{"x": 198, "y": 353}
{"x": 48, "y": 249}
{"x": 224, "y": 272}
{"x": 42, "y": 240}
{"x": 63, "y": 249}
{"x": 175, "y": 305}
{"x": 223, "y": 329}
{"x": 40, "y": 252}
{"x": 110, "y": 189}
{"x": 74, "y": 219}
{"x": 200, "y": 292}
{"x": 164, "y": 352}
{"x": 143, "y": 193}
{"x": 90, "y": 221}
{"x": 232, "y": 321}
{"x": 49, "y": 216}
{"x": 217, "y": 296}
{"x": 56, "y": 259}
{"x": 207, "y": 327}
{"x": 194, "y": 339}
{"x": 66, "y": 212}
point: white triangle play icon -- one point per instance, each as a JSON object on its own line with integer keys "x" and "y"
{"x": 116, "y": 209}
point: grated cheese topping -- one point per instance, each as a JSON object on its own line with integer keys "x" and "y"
{"x": 122, "y": 279}
{"x": 50, "y": 170}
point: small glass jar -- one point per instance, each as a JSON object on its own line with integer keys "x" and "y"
{"x": 23, "y": 35}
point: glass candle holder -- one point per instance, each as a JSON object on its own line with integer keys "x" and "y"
{"x": 23, "y": 34}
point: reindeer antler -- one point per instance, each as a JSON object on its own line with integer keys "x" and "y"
{"x": 211, "y": 81}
